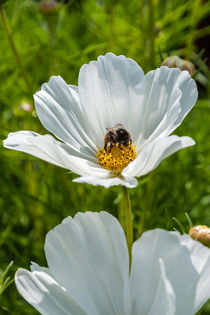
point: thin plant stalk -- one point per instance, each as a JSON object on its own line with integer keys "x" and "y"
{"x": 195, "y": 20}
{"x": 121, "y": 212}
{"x": 151, "y": 31}
{"x": 129, "y": 223}
{"x": 14, "y": 49}
{"x": 149, "y": 57}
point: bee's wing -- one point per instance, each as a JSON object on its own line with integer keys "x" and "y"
{"x": 119, "y": 126}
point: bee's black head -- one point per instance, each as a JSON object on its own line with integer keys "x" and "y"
{"x": 122, "y": 134}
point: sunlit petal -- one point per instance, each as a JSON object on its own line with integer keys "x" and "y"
{"x": 111, "y": 92}
{"x": 153, "y": 153}
{"x": 164, "y": 302}
{"x": 59, "y": 110}
{"x": 53, "y": 151}
{"x": 45, "y": 294}
{"x": 187, "y": 267}
{"x": 169, "y": 95}
{"x": 88, "y": 256}
{"x": 20, "y": 141}
{"x": 108, "y": 181}
{"x": 200, "y": 257}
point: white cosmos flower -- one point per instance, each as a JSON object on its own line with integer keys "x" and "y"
{"x": 112, "y": 90}
{"x": 88, "y": 271}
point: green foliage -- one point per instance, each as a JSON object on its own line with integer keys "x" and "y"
{"x": 5, "y": 281}
{"x": 36, "y": 196}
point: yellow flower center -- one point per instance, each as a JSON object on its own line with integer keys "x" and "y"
{"x": 117, "y": 158}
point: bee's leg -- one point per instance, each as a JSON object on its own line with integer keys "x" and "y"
{"x": 120, "y": 146}
{"x": 110, "y": 147}
{"x": 105, "y": 144}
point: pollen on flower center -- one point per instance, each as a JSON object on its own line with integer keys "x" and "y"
{"x": 116, "y": 158}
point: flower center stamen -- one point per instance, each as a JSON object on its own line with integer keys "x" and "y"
{"x": 117, "y": 157}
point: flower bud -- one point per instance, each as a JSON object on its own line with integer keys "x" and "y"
{"x": 48, "y": 6}
{"x": 176, "y": 62}
{"x": 26, "y": 107}
{"x": 201, "y": 233}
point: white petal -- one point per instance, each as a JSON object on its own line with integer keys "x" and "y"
{"x": 189, "y": 96}
{"x": 180, "y": 270}
{"x": 48, "y": 149}
{"x": 59, "y": 110}
{"x": 165, "y": 300}
{"x": 35, "y": 267}
{"x": 108, "y": 181}
{"x": 45, "y": 294}
{"x": 153, "y": 153}
{"x": 111, "y": 92}
{"x": 20, "y": 141}
{"x": 53, "y": 151}
{"x": 169, "y": 96}
{"x": 88, "y": 256}
{"x": 200, "y": 257}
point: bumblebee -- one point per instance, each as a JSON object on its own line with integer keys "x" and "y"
{"x": 116, "y": 136}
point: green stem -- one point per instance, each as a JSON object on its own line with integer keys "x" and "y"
{"x": 14, "y": 49}
{"x": 129, "y": 223}
{"x": 121, "y": 214}
{"x": 152, "y": 34}
{"x": 150, "y": 37}
{"x": 192, "y": 35}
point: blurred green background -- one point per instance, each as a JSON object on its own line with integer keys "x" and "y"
{"x": 35, "y": 44}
